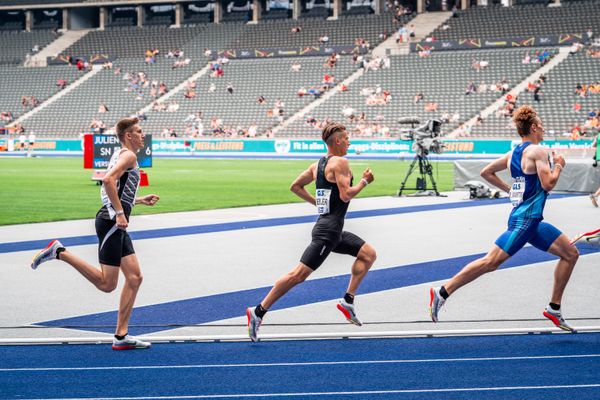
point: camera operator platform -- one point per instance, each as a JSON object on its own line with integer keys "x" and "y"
{"x": 426, "y": 139}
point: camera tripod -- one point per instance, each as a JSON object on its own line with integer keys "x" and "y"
{"x": 425, "y": 169}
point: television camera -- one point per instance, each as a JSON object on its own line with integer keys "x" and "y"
{"x": 426, "y": 139}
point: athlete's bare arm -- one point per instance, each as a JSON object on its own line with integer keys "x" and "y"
{"x": 147, "y": 200}
{"x": 340, "y": 168}
{"x": 305, "y": 178}
{"x": 548, "y": 178}
{"x": 489, "y": 172}
{"x": 126, "y": 161}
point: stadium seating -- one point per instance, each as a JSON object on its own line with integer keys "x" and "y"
{"x": 241, "y": 108}
{"x": 72, "y": 114}
{"x": 17, "y": 44}
{"x": 527, "y": 20}
{"x": 37, "y": 82}
{"x": 344, "y": 31}
{"x": 557, "y": 100}
{"x": 442, "y": 79}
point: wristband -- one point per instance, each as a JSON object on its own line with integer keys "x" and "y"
{"x": 120, "y": 213}
{"x": 366, "y": 182}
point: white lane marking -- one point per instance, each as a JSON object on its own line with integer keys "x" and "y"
{"x": 302, "y": 364}
{"x": 353, "y": 393}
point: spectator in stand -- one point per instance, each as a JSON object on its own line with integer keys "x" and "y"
{"x": 331, "y": 60}
{"x": 296, "y": 67}
{"x": 536, "y": 94}
{"x": 212, "y": 88}
{"x": 430, "y": 107}
{"x": 102, "y": 108}
{"x": 229, "y": 88}
{"x": 61, "y": 83}
{"x": 324, "y": 39}
{"x": 471, "y": 88}
{"x": 301, "y": 92}
{"x": 296, "y": 29}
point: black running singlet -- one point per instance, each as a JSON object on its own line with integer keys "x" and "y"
{"x": 331, "y": 208}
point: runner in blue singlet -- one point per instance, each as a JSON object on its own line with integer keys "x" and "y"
{"x": 533, "y": 177}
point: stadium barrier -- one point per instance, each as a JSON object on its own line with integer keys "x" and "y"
{"x": 484, "y": 43}
{"x": 283, "y": 147}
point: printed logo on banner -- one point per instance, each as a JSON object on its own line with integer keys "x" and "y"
{"x": 282, "y": 146}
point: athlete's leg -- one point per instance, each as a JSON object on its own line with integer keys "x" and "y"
{"x": 490, "y": 262}
{"x": 568, "y": 257}
{"x": 105, "y": 278}
{"x": 133, "y": 279}
{"x": 550, "y": 239}
{"x": 285, "y": 284}
{"x": 364, "y": 260}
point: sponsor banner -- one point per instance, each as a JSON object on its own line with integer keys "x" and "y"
{"x": 104, "y": 146}
{"x": 290, "y": 52}
{"x": 482, "y": 43}
{"x": 101, "y": 147}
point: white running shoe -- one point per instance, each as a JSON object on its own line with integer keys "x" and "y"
{"x": 254, "y": 322}
{"x": 436, "y": 301}
{"x": 557, "y": 319}
{"x": 348, "y": 310}
{"x": 46, "y": 254}
{"x": 129, "y": 343}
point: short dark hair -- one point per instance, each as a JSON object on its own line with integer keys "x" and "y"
{"x": 125, "y": 125}
{"x": 524, "y": 117}
{"x": 330, "y": 129}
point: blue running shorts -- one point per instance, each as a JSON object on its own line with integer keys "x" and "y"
{"x": 540, "y": 234}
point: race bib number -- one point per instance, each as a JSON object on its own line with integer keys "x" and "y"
{"x": 322, "y": 198}
{"x": 517, "y": 191}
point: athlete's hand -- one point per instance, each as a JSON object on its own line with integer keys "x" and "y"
{"x": 149, "y": 200}
{"x": 368, "y": 175}
{"x": 558, "y": 159}
{"x": 122, "y": 222}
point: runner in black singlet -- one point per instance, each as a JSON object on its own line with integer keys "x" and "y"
{"x": 115, "y": 249}
{"x": 334, "y": 190}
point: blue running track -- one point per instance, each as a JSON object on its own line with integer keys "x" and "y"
{"x": 549, "y": 366}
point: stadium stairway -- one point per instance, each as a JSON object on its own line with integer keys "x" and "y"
{"x": 56, "y": 47}
{"x": 562, "y": 54}
{"x": 423, "y": 25}
{"x": 68, "y": 89}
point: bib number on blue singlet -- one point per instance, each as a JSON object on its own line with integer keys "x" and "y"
{"x": 323, "y": 196}
{"x": 517, "y": 191}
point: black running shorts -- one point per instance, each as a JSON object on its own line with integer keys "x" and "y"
{"x": 318, "y": 250}
{"x": 113, "y": 243}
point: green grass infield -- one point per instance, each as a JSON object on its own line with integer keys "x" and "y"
{"x": 56, "y": 189}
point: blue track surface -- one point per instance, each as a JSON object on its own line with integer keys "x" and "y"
{"x": 556, "y": 366}
{"x": 233, "y": 304}
{"x": 10, "y": 247}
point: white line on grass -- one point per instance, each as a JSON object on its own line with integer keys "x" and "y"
{"x": 301, "y": 364}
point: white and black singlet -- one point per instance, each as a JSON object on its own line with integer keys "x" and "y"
{"x": 115, "y": 243}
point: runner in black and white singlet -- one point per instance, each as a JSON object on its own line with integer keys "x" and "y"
{"x": 334, "y": 190}
{"x": 115, "y": 249}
